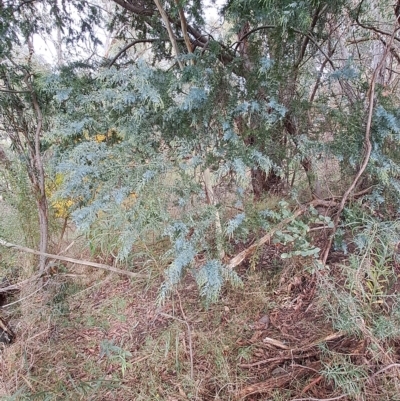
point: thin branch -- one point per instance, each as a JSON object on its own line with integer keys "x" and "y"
{"x": 13, "y": 91}
{"x": 308, "y": 35}
{"x": 280, "y": 381}
{"x": 306, "y": 40}
{"x": 393, "y": 365}
{"x": 70, "y": 260}
{"x": 320, "y": 74}
{"x": 240, "y": 257}
{"x": 27, "y": 296}
{"x": 129, "y": 45}
{"x": 211, "y": 200}
{"x": 372, "y": 28}
{"x": 135, "y": 9}
{"x": 39, "y": 182}
{"x": 17, "y": 287}
{"x": 367, "y": 152}
{"x": 260, "y": 28}
{"x": 24, "y": 3}
{"x": 292, "y": 352}
{"x": 392, "y": 50}
{"x": 190, "y": 338}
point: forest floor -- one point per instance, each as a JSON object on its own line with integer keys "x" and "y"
{"x": 89, "y": 335}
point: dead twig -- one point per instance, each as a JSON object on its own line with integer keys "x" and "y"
{"x": 275, "y": 343}
{"x": 190, "y": 339}
{"x": 330, "y": 202}
{"x": 278, "y": 359}
{"x": 311, "y": 384}
{"x": 240, "y": 257}
{"x": 392, "y": 365}
{"x": 28, "y": 296}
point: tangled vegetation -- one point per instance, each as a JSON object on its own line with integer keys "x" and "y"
{"x": 239, "y": 172}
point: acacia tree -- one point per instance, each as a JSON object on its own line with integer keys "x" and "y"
{"x": 25, "y": 130}
{"x": 287, "y": 89}
{"x": 25, "y": 109}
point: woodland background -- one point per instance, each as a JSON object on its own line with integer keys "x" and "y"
{"x": 198, "y": 206}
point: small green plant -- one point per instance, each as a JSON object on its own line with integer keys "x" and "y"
{"x": 116, "y": 354}
{"x": 347, "y": 376}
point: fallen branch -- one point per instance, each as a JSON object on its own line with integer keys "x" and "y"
{"x": 311, "y": 384}
{"x": 17, "y": 287}
{"x": 240, "y": 257}
{"x": 67, "y": 259}
{"x": 328, "y": 203}
{"x": 292, "y": 352}
{"x": 28, "y": 296}
{"x": 283, "y": 358}
{"x": 277, "y": 382}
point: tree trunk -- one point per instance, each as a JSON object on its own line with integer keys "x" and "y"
{"x": 263, "y": 183}
{"x": 44, "y": 229}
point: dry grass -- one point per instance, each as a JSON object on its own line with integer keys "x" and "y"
{"x": 88, "y": 335}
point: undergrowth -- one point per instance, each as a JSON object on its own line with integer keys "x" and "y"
{"x": 360, "y": 298}
{"x": 86, "y": 335}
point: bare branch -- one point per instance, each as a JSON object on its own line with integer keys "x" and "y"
{"x": 184, "y": 27}
{"x": 393, "y": 365}
{"x": 392, "y": 50}
{"x": 308, "y": 35}
{"x": 18, "y": 286}
{"x": 367, "y": 151}
{"x": 373, "y": 28}
{"x": 306, "y": 40}
{"x": 70, "y": 260}
{"x": 240, "y": 257}
{"x": 128, "y": 46}
{"x": 13, "y": 91}
{"x": 38, "y": 177}
{"x": 171, "y": 35}
{"x": 339, "y": 397}
{"x": 139, "y": 10}
{"x": 189, "y": 336}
